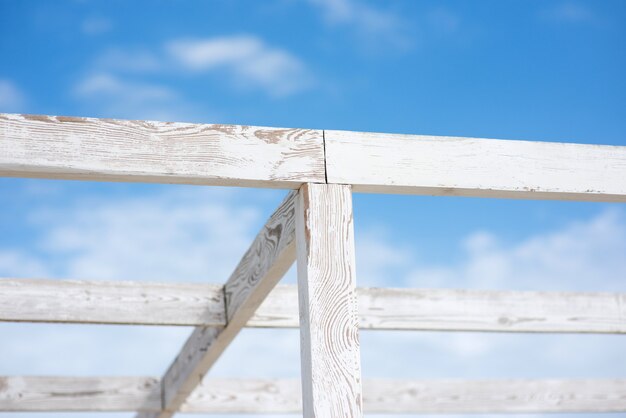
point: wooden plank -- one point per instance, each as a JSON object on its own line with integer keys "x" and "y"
{"x": 118, "y": 302}
{"x": 195, "y": 304}
{"x": 61, "y": 394}
{"x": 268, "y": 259}
{"x": 499, "y": 311}
{"x": 41, "y": 394}
{"x": 143, "y": 151}
{"x": 466, "y": 310}
{"x": 422, "y": 396}
{"x": 329, "y": 332}
{"x": 451, "y": 166}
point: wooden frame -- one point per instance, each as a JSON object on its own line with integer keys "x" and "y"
{"x": 314, "y": 223}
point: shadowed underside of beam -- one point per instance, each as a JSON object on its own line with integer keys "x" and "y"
{"x": 283, "y": 396}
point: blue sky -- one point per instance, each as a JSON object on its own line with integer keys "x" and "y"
{"x": 536, "y": 70}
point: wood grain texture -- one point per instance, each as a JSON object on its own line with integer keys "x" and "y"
{"x": 329, "y": 333}
{"x": 496, "y": 396}
{"x": 488, "y": 310}
{"x": 269, "y": 257}
{"x": 144, "y": 151}
{"x": 466, "y": 310}
{"x": 422, "y": 396}
{"x": 267, "y": 260}
{"x": 194, "y": 304}
{"x": 31, "y": 393}
{"x": 118, "y": 302}
{"x": 450, "y": 166}
{"x": 56, "y": 394}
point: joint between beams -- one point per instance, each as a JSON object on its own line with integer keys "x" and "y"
{"x": 226, "y": 318}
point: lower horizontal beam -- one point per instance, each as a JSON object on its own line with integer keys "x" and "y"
{"x": 61, "y": 394}
{"x": 140, "y": 303}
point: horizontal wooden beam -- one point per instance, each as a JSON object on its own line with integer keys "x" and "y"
{"x": 450, "y": 166}
{"x": 187, "y": 304}
{"x": 50, "y": 394}
{"x": 56, "y": 394}
{"x": 111, "y": 302}
{"x": 142, "y": 151}
{"x": 269, "y": 257}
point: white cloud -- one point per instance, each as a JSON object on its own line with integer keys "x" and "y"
{"x": 375, "y": 25}
{"x": 12, "y": 99}
{"x": 115, "y": 84}
{"x": 110, "y": 85}
{"x": 174, "y": 237}
{"x": 250, "y": 61}
{"x": 583, "y": 256}
{"x": 110, "y": 95}
{"x": 129, "y": 60}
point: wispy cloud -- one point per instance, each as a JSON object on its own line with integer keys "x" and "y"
{"x": 444, "y": 20}
{"x": 569, "y": 259}
{"x": 131, "y": 60}
{"x": 115, "y": 84}
{"x": 248, "y": 60}
{"x": 12, "y": 99}
{"x": 375, "y": 25}
{"x": 111, "y": 95}
{"x": 569, "y": 12}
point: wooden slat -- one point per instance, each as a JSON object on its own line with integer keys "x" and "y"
{"x": 268, "y": 259}
{"x": 450, "y": 166}
{"x": 143, "y": 151}
{"x": 500, "y": 311}
{"x": 422, "y": 396}
{"x": 119, "y": 302}
{"x": 194, "y": 304}
{"x": 329, "y": 325}
{"x": 466, "y": 310}
{"x": 52, "y": 394}
{"x": 56, "y": 394}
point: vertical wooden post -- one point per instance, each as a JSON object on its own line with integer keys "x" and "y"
{"x": 329, "y": 334}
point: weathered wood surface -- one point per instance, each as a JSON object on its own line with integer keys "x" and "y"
{"x": 500, "y": 311}
{"x": 466, "y": 310}
{"x": 30, "y": 393}
{"x": 268, "y": 259}
{"x": 422, "y": 396}
{"x": 451, "y": 166}
{"x": 329, "y": 325}
{"x": 144, "y": 151}
{"x": 284, "y": 396}
{"x": 119, "y": 302}
{"x": 194, "y": 304}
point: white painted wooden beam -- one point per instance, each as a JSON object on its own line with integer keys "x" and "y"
{"x": 268, "y": 259}
{"x": 60, "y": 394}
{"x": 329, "y": 326}
{"x": 50, "y": 394}
{"x": 116, "y": 302}
{"x": 422, "y": 396}
{"x": 194, "y": 304}
{"x": 450, "y": 166}
{"x": 143, "y": 151}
